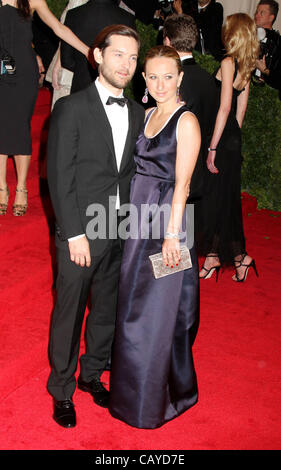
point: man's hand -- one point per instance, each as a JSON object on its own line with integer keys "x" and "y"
{"x": 41, "y": 67}
{"x": 261, "y": 65}
{"x": 178, "y": 6}
{"x": 80, "y": 252}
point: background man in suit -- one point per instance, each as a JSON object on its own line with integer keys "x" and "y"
{"x": 208, "y": 15}
{"x": 90, "y": 161}
{"x": 87, "y": 21}
{"x": 198, "y": 88}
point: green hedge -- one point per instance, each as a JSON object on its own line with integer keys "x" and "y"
{"x": 57, "y": 6}
{"x": 261, "y": 170}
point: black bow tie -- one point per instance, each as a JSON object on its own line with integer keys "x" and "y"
{"x": 120, "y": 101}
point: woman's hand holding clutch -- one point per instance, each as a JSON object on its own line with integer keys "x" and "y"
{"x": 171, "y": 251}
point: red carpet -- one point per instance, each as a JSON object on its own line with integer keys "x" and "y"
{"x": 237, "y": 352}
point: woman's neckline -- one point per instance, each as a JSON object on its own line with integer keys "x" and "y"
{"x": 164, "y": 125}
{"x": 242, "y": 89}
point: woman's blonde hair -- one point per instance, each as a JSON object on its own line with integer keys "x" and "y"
{"x": 239, "y": 35}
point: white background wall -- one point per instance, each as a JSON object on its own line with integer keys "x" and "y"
{"x": 247, "y": 6}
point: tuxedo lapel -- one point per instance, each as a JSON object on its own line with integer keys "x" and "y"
{"x": 131, "y": 132}
{"x": 100, "y": 120}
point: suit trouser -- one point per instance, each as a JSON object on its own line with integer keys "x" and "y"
{"x": 74, "y": 285}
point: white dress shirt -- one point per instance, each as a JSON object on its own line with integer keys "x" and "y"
{"x": 205, "y": 6}
{"x": 118, "y": 118}
{"x": 184, "y": 57}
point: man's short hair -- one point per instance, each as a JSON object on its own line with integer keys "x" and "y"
{"x": 102, "y": 41}
{"x": 182, "y": 32}
{"x": 273, "y": 6}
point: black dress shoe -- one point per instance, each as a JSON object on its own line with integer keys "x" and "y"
{"x": 96, "y": 389}
{"x": 64, "y": 413}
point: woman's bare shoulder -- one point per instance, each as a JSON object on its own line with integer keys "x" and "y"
{"x": 147, "y": 111}
{"x": 188, "y": 118}
{"x": 227, "y": 62}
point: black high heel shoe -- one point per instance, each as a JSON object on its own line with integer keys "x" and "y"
{"x": 248, "y": 266}
{"x": 209, "y": 272}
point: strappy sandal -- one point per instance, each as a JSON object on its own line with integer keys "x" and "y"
{"x": 4, "y": 205}
{"x": 209, "y": 272}
{"x": 252, "y": 264}
{"x": 20, "y": 209}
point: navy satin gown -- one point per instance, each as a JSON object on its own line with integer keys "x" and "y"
{"x": 153, "y": 378}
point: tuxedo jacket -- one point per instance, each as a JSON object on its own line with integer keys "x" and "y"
{"x": 273, "y": 59}
{"x": 198, "y": 89}
{"x": 86, "y": 22}
{"x": 144, "y": 9}
{"x": 81, "y": 163}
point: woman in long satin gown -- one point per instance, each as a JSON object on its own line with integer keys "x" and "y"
{"x": 219, "y": 224}
{"x": 153, "y": 378}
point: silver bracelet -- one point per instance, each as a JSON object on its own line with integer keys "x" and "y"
{"x": 213, "y": 150}
{"x": 171, "y": 235}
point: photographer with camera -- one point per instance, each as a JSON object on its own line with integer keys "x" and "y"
{"x": 269, "y": 63}
{"x": 153, "y": 11}
{"x": 164, "y": 9}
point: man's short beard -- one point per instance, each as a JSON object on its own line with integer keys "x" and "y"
{"x": 110, "y": 79}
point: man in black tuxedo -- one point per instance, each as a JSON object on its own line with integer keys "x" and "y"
{"x": 197, "y": 89}
{"x": 90, "y": 164}
{"x": 87, "y": 21}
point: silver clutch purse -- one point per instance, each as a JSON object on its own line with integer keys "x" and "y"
{"x": 160, "y": 269}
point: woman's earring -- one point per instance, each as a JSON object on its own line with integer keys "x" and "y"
{"x": 178, "y": 94}
{"x": 145, "y": 97}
